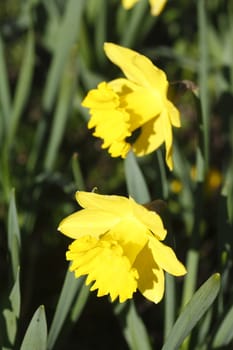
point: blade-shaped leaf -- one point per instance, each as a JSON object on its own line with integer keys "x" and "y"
{"x": 136, "y": 184}
{"x": 135, "y": 331}
{"x": 11, "y": 325}
{"x": 4, "y": 89}
{"x": 192, "y": 313}
{"x": 68, "y": 33}
{"x": 11, "y": 315}
{"x": 69, "y": 290}
{"x": 224, "y": 334}
{"x": 23, "y": 87}
{"x": 36, "y": 335}
{"x": 13, "y": 234}
{"x": 15, "y": 296}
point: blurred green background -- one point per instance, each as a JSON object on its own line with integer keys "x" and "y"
{"x": 51, "y": 54}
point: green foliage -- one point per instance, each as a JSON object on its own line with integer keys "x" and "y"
{"x": 192, "y": 312}
{"x": 36, "y": 334}
{"x": 51, "y": 54}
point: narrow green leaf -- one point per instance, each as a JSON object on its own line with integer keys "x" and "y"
{"x": 15, "y": 298}
{"x": 69, "y": 290}
{"x": 170, "y": 302}
{"x": 203, "y": 76}
{"x": 5, "y": 101}
{"x": 190, "y": 279}
{"x": 163, "y": 176}
{"x": 23, "y": 87}
{"x": 11, "y": 325}
{"x": 135, "y": 331}
{"x": 135, "y": 20}
{"x": 204, "y": 328}
{"x": 224, "y": 333}
{"x": 100, "y": 22}
{"x": 11, "y": 315}
{"x": 36, "y": 335}
{"x": 77, "y": 173}
{"x": 80, "y": 302}
{"x": 68, "y": 33}
{"x": 13, "y": 235}
{"x": 61, "y": 114}
{"x": 192, "y": 312}
{"x": 136, "y": 184}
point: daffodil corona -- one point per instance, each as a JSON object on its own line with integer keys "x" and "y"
{"x": 117, "y": 244}
{"x": 156, "y": 5}
{"x": 133, "y": 112}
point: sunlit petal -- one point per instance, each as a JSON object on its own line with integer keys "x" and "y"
{"x": 166, "y": 258}
{"x": 117, "y": 205}
{"x": 127, "y": 4}
{"x": 150, "y": 219}
{"x": 157, "y": 6}
{"x": 174, "y": 114}
{"x": 151, "y": 280}
{"x": 136, "y": 67}
{"x": 87, "y": 222}
{"x": 150, "y": 138}
{"x": 104, "y": 264}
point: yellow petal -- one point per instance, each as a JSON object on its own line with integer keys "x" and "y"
{"x": 174, "y": 114}
{"x": 101, "y": 98}
{"x": 142, "y": 105}
{"x": 122, "y": 86}
{"x": 150, "y": 219}
{"x": 92, "y": 222}
{"x": 151, "y": 276}
{"x": 131, "y": 234}
{"x": 127, "y": 4}
{"x": 110, "y": 129}
{"x": 157, "y": 6}
{"x": 104, "y": 263}
{"x": 117, "y": 205}
{"x": 166, "y": 258}
{"x": 137, "y": 68}
{"x": 150, "y": 138}
{"x": 119, "y": 149}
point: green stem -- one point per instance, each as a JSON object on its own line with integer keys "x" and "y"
{"x": 203, "y": 77}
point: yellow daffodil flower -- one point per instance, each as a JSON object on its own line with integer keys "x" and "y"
{"x": 156, "y": 5}
{"x": 136, "y": 107}
{"x": 117, "y": 244}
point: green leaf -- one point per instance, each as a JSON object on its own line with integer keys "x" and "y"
{"x": 136, "y": 184}
{"x": 5, "y": 101}
{"x": 11, "y": 315}
{"x": 135, "y": 19}
{"x": 36, "y": 334}
{"x": 11, "y": 325}
{"x": 135, "y": 331}
{"x": 204, "y": 63}
{"x": 77, "y": 173}
{"x": 192, "y": 312}
{"x": 15, "y": 298}
{"x": 80, "y": 303}
{"x": 69, "y": 290}
{"x": 224, "y": 334}
{"x": 13, "y": 235}
{"x": 68, "y": 32}
{"x": 66, "y": 92}
{"x": 23, "y": 87}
